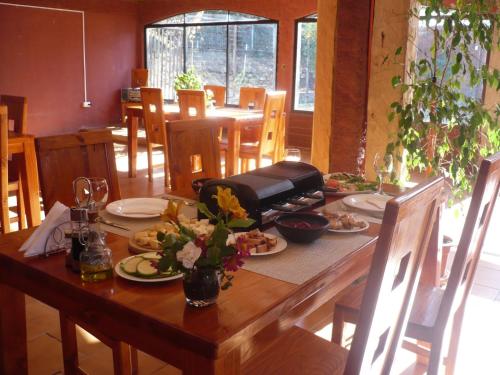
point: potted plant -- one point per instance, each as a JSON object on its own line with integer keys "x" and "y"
{"x": 187, "y": 81}
{"x": 441, "y": 130}
{"x": 206, "y": 259}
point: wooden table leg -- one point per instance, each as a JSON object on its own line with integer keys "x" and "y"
{"x": 196, "y": 364}
{"x": 31, "y": 186}
{"x": 233, "y": 149}
{"x": 4, "y": 196}
{"x": 132, "y": 129}
{"x": 13, "y": 347}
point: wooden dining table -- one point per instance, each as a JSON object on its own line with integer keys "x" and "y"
{"x": 242, "y": 118}
{"x": 22, "y": 149}
{"x": 155, "y": 318}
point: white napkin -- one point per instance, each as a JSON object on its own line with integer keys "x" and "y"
{"x": 35, "y": 245}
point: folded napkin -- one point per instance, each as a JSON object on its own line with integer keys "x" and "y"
{"x": 42, "y": 236}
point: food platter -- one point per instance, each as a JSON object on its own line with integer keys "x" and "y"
{"x": 137, "y": 208}
{"x": 281, "y": 244}
{"x": 343, "y": 184}
{"x": 119, "y": 269}
{"x": 372, "y": 203}
{"x": 345, "y": 222}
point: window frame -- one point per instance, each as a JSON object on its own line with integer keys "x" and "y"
{"x": 305, "y": 19}
{"x": 184, "y": 25}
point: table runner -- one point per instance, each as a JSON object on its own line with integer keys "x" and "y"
{"x": 299, "y": 263}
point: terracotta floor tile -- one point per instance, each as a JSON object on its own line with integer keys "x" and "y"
{"x": 167, "y": 370}
{"x": 44, "y": 355}
{"x": 484, "y": 291}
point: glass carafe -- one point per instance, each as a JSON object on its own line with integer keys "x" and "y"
{"x": 96, "y": 263}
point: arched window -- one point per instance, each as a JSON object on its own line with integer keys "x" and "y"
{"x": 305, "y": 63}
{"x": 223, "y": 48}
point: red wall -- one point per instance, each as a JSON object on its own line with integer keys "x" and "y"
{"x": 299, "y": 126}
{"x": 41, "y": 58}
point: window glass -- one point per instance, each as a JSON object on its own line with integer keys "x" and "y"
{"x": 239, "y": 51}
{"x": 165, "y": 57}
{"x": 252, "y": 58}
{"x": 206, "y": 53}
{"x": 305, "y": 66}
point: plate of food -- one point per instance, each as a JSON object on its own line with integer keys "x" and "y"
{"x": 341, "y": 183}
{"x": 141, "y": 268}
{"x": 137, "y": 208}
{"x": 345, "y": 222}
{"x": 260, "y": 243}
{"x": 373, "y": 203}
{"x": 146, "y": 239}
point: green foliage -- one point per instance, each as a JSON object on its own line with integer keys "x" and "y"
{"x": 187, "y": 81}
{"x": 440, "y": 129}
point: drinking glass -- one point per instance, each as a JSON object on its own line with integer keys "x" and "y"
{"x": 383, "y": 165}
{"x": 292, "y": 154}
{"x": 99, "y": 194}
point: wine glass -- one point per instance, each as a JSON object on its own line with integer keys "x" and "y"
{"x": 99, "y": 193}
{"x": 383, "y": 165}
{"x": 292, "y": 154}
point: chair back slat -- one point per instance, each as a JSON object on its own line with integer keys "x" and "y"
{"x": 273, "y": 116}
{"x": 139, "y": 77}
{"x": 4, "y": 172}
{"x": 193, "y": 151}
{"x": 219, "y": 94}
{"x": 192, "y": 104}
{"x": 62, "y": 158}
{"x": 469, "y": 248}
{"x": 17, "y": 111}
{"x": 154, "y": 118}
{"x": 391, "y": 284}
{"x": 252, "y": 97}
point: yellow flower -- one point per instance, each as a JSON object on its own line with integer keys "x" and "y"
{"x": 228, "y": 203}
{"x": 172, "y": 211}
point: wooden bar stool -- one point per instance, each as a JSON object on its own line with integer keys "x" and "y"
{"x": 433, "y": 306}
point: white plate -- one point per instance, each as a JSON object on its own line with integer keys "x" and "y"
{"x": 335, "y": 192}
{"x": 125, "y": 275}
{"x": 137, "y": 208}
{"x": 280, "y": 245}
{"x": 367, "y": 202}
{"x": 354, "y": 230}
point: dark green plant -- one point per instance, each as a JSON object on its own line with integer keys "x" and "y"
{"x": 440, "y": 129}
{"x": 187, "y": 81}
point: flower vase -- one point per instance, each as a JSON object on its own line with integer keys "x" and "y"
{"x": 201, "y": 287}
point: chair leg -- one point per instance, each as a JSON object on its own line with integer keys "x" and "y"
{"x": 244, "y": 165}
{"x": 150, "y": 161}
{"x": 134, "y": 359}
{"x": 69, "y": 345}
{"x": 21, "y": 209}
{"x": 338, "y": 326}
{"x": 451, "y": 357}
{"x": 435, "y": 357}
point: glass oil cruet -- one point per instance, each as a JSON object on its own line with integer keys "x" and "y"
{"x": 95, "y": 260}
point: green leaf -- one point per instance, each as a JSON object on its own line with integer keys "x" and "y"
{"x": 240, "y": 223}
{"x": 396, "y": 80}
{"x": 202, "y": 207}
{"x": 398, "y": 51}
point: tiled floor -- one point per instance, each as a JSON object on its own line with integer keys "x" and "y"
{"x": 479, "y": 341}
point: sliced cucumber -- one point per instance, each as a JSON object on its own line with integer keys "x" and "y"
{"x": 151, "y": 255}
{"x": 130, "y": 266}
{"x": 145, "y": 268}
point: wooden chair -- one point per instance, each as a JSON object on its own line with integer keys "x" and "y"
{"x": 17, "y": 111}
{"x": 434, "y": 307}
{"x": 193, "y": 152}
{"x": 62, "y": 158}
{"x": 252, "y": 97}
{"x": 192, "y": 104}
{"x": 219, "y": 94}
{"x": 268, "y": 133}
{"x": 139, "y": 77}
{"x": 154, "y": 122}
{"x": 396, "y": 265}
{"x": 7, "y": 185}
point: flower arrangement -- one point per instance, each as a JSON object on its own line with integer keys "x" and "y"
{"x": 188, "y": 252}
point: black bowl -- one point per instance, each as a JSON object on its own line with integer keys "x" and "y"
{"x": 302, "y": 227}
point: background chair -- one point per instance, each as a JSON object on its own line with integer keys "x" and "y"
{"x": 17, "y": 107}
{"x": 219, "y": 94}
{"x": 154, "y": 122}
{"x": 192, "y": 104}
{"x": 251, "y": 98}
{"x": 396, "y": 266}
{"x": 193, "y": 152}
{"x": 268, "y": 134}
{"x": 6, "y": 185}
{"x": 434, "y": 307}
{"x": 62, "y": 158}
{"x": 139, "y": 77}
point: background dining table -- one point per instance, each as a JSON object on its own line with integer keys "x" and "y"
{"x": 241, "y": 118}
{"x": 155, "y": 318}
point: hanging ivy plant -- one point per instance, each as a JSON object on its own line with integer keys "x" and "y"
{"x": 442, "y": 130}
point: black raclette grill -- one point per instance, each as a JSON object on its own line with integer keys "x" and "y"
{"x": 267, "y": 192}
